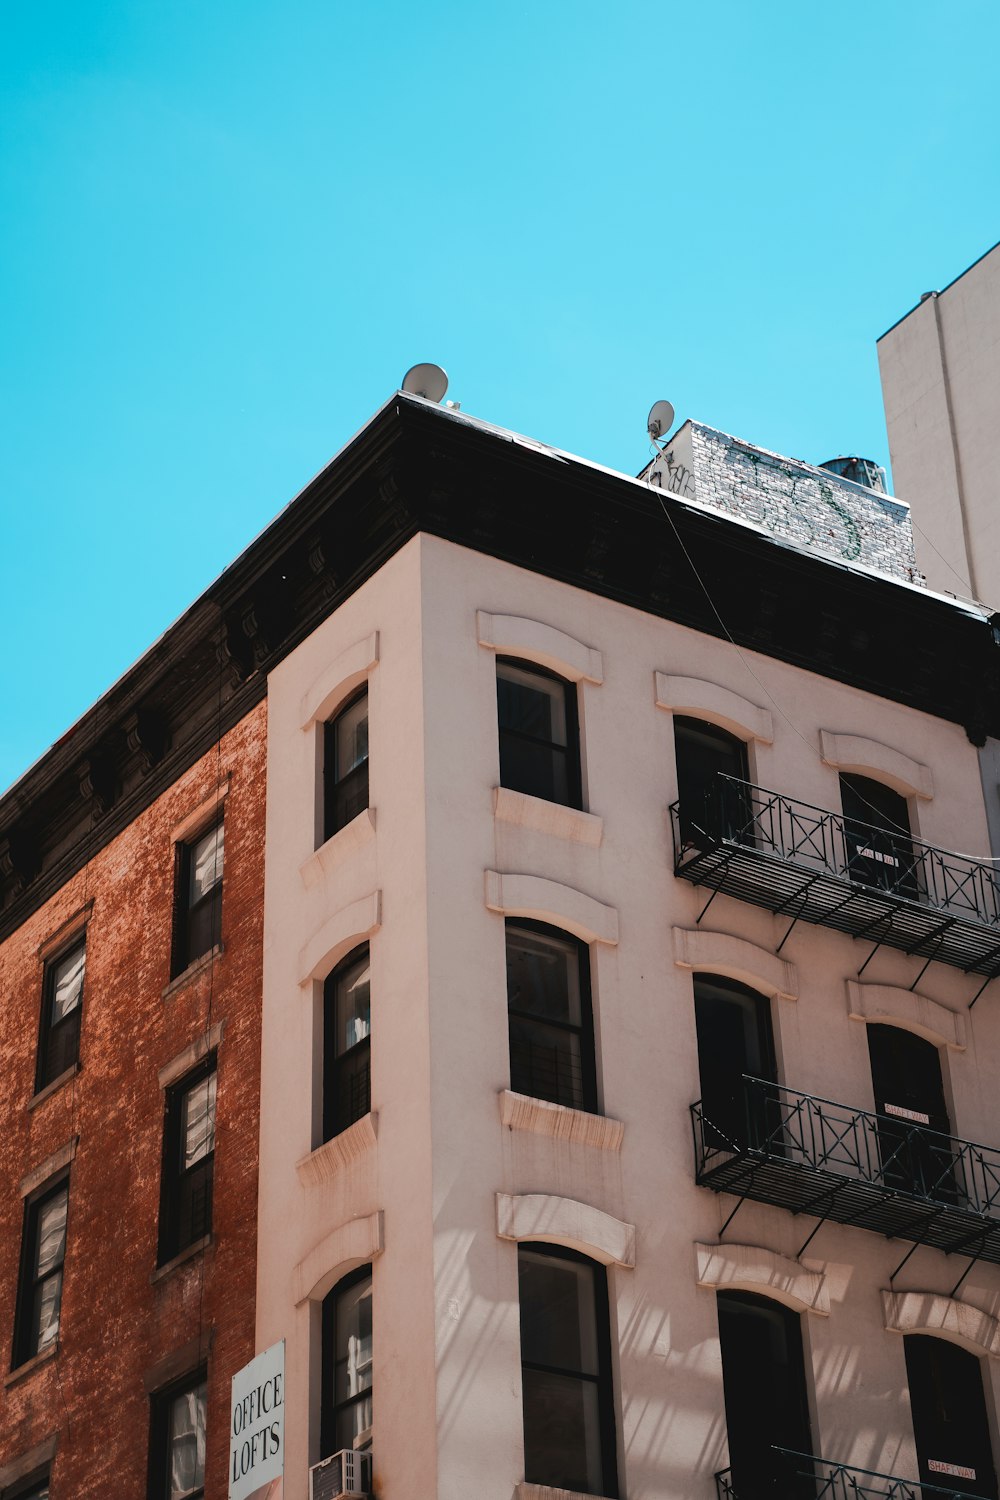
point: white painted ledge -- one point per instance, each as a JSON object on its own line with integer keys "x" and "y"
{"x": 338, "y": 935}
{"x": 929, "y": 1312}
{"x": 327, "y": 1160}
{"x": 721, "y": 953}
{"x": 750, "y": 1268}
{"x": 909, "y": 1009}
{"x": 525, "y": 1491}
{"x": 337, "y": 850}
{"x": 552, "y": 818}
{"x": 566, "y": 1221}
{"x": 542, "y": 1117}
{"x": 549, "y": 901}
{"x": 718, "y": 705}
{"x": 852, "y": 752}
{"x": 350, "y": 1245}
{"x": 337, "y": 681}
{"x": 515, "y": 635}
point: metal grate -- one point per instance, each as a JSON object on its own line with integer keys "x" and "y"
{"x": 821, "y": 867}
{"x": 811, "y": 1155}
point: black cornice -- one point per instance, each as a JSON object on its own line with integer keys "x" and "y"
{"x": 416, "y": 467}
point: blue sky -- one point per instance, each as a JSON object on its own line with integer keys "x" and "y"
{"x": 229, "y": 228}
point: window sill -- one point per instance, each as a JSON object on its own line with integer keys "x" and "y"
{"x": 547, "y": 817}
{"x": 525, "y": 1491}
{"x": 192, "y": 970}
{"x": 54, "y": 1086}
{"x": 327, "y": 1160}
{"x": 31, "y": 1365}
{"x": 338, "y": 848}
{"x": 188, "y": 1253}
{"x": 520, "y": 1112}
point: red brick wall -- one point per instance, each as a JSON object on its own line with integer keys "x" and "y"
{"x": 117, "y": 1324}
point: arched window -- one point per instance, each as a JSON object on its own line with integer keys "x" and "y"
{"x": 878, "y": 846}
{"x": 569, "y": 1417}
{"x": 550, "y": 1016}
{"x": 346, "y": 1375}
{"x": 764, "y": 1386}
{"x": 712, "y": 773}
{"x": 948, "y": 1407}
{"x": 914, "y": 1129}
{"x": 347, "y": 1043}
{"x": 345, "y": 765}
{"x": 735, "y": 1040}
{"x": 539, "y": 733}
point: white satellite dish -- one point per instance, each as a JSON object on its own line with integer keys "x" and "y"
{"x": 660, "y": 419}
{"x": 428, "y": 381}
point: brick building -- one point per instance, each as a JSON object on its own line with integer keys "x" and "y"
{"x": 587, "y": 813}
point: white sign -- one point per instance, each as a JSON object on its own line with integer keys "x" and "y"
{"x": 907, "y": 1114}
{"x": 958, "y": 1471}
{"x": 257, "y": 1426}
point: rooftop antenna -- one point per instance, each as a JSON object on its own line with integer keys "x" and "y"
{"x": 659, "y": 421}
{"x": 428, "y": 381}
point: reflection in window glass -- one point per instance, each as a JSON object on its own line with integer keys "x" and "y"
{"x": 186, "y": 1443}
{"x": 345, "y": 771}
{"x": 347, "y": 1365}
{"x": 539, "y": 749}
{"x": 347, "y": 1044}
{"x": 551, "y": 1027}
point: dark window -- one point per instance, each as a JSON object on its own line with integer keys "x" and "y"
{"x": 551, "y": 1022}
{"x": 711, "y": 807}
{"x": 949, "y": 1416}
{"x": 43, "y": 1251}
{"x": 197, "y": 898}
{"x": 347, "y": 1024}
{"x": 345, "y": 765}
{"x": 764, "y": 1385}
{"x": 909, "y": 1099}
{"x": 569, "y": 1422}
{"x": 62, "y": 1001}
{"x": 35, "y": 1488}
{"x": 188, "y": 1162}
{"x": 177, "y": 1440}
{"x": 734, "y": 1039}
{"x": 539, "y": 733}
{"x": 877, "y": 840}
{"x": 346, "y": 1413}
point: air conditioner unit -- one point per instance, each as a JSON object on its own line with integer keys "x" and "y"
{"x": 347, "y": 1475}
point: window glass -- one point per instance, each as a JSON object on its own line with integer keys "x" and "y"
{"x": 539, "y": 748}
{"x": 186, "y": 1443}
{"x": 569, "y": 1438}
{"x": 345, "y": 769}
{"x": 352, "y": 737}
{"x": 198, "y": 897}
{"x": 198, "y": 1121}
{"x": 549, "y": 1015}
{"x": 347, "y": 1365}
{"x": 354, "y": 1006}
{"x": 347, "y": 1044}
{"x": 67, "y": 983}
{"x": 764, "y": 1386}
{"x": 711, "y": 806}
{"x": 948, "y": 1409}
{"x": 735, "y": 1039}
{"x": 186, "y": 1186}
{"x": 205, "y": 864}
{"x": 40, "y": 1294}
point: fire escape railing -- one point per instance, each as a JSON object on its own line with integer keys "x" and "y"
{"x": 800, "y": 1476}
{"x": 818, "y": 866}
{"x": 814, "y": 1156}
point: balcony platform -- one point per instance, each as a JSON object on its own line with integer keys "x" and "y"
{"x": 800, "y": 1476}
{"x": 803, "y": 862}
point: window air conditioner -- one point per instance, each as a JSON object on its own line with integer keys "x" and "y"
{"x": 346, "y": 1475}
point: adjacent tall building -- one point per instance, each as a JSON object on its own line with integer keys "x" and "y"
{"x": 573, "y": 855}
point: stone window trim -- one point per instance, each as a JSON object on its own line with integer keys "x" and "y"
{"x": 53, "y": 1087}
{"x": 711, "y": 952}
{"x": 201, "y": 817}
{"x": 66, "y": 933}
{"x": 554, "y": 818}
{"x": 196, "y": 1247}
{"x": 545, "y": 645}
{"x": 351, "y": 1244}
{"x": 752, "y": 1268}
{"x": 894, "y": 1006}
{"x": 50, "y": 1167}
{"x": 697, "y": 698}
{"x": 194, "y": 968}
{"x": 26, "y": 1464}
{"x": 338, "y": 850}
{"x": 324, "y": 1164}
{"x": 864, "y": 757}
{"x": 943, "y": 1317}
{"x": 338, "y": 681}
{"x": 192, "y": 1054}
{"x": 548, "y": 1219}
{"x": 526, "y": 1491}
{"x": 550, "y": 901}
{"x": 559, "y": 1122}
{"x": 29, "y": 1366}
{"x": 341, "y": 932}
{"x": 170, "y": 1368}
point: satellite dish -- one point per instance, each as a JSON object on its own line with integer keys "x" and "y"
{"x": 660, "y": 419}
{"x": 428, "y": 381}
